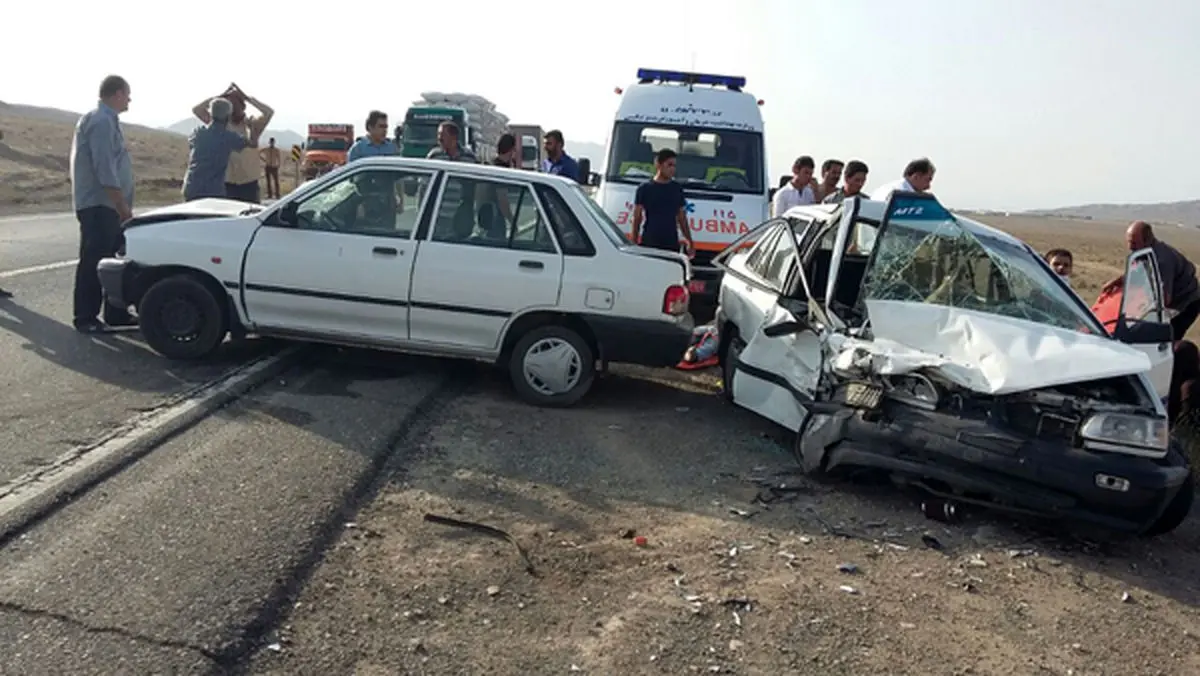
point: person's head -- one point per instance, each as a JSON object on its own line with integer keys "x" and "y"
{"x": 114, "y": 92}
{"x": 664, "y": 163}
{"x": 854, "y": 178}
{"x": 377, "y": 125}
{"x": 553, "y": 144}
{"x": 1139, "y": 235}
{"x": 1062, "y": 261}
{"x": 919, "y": 174}
{"x": 506, "y": 147}
{"x": 802, "y": 171}
{"x": 448, "y": 136}
{"x": 219, "y": 109}
{"x": 271, "y": 141}
{"x": 831, "y": 172}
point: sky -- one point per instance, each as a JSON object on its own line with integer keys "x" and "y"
{"x": 1021, "y": 104}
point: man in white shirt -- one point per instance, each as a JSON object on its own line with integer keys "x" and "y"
{"x": 918, "y": 177}
{"x": 800, "y": 190}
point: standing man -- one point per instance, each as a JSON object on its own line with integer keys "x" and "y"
{"x": 557, "y": 160}
{"x": 506, "y": 152}
{"x": 448, "y": 147}
{"x": 1178, "y": 277}
{"x": 659, "y": 203}
{"x": 102, "y": 190}
{"x": 831, "y": 173}
{"x": 800, "y": 190}
{"x": 210, "y": 148}
{"x": 241, "y": 176}
{"x": 375, "y": 143}
{"x": 271, "y": 160}
{"x": 854, "y": 180}
{"x": 918, "y": 177}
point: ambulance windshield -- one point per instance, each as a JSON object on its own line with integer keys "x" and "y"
{"x": 708, "y": 159}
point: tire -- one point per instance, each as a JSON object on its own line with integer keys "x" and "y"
{"x": 182, "y": 319}
{"x": 729, "y": 357}
{"x": 583, "y": 366}
{"x": 1176, "y": 512}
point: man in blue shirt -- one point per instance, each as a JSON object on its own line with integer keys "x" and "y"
{"x": 375, "y": 143}
{"x": 659, "y": 203}
{"x": 211, "y": 146}
{"x": 557, "y": 160}
{"x": 102, "y": 192}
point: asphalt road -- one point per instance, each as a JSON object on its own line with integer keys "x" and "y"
{"x": 60, "y": 389}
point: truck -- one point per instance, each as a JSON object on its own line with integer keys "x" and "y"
{"x": 716, "y": 130}
{"x": 326, "y": 148}
{"x": 529, "y": 139}
{"x": 479, "y": 123}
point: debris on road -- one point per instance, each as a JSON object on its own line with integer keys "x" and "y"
{"x": 485, "y": 530}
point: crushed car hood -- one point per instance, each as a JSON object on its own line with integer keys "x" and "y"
{"x": 982, "y": 352}
{"x": 210, "y": 207}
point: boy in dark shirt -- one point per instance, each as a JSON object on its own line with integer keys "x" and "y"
{"x": 659, "y": 203}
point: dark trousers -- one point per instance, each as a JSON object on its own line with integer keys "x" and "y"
{"x": 272, "y": 174}
{"x": 100, "y": 236}
{"x": 1184, "y": 320}
{"x": 243, "y": 192}
{"x": 664, "y": 245}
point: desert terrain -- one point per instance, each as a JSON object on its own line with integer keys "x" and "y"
{"x": 35, "y": 154}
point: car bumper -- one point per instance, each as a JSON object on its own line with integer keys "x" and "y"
{"x": 115, "y": 275}
{"x": 642, "y": 341}
{"x": 1008, "y": 471}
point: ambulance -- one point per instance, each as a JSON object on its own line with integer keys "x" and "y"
{"x": 716, "y": 130}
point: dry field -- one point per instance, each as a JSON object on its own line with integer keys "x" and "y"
{"x": 34, "y": 160}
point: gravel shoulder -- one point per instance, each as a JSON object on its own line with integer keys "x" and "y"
{"x": 723, "y": 583}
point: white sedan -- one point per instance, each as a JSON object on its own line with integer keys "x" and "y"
{"x": 414, "y": 255}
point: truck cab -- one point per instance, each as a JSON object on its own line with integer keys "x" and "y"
{"x": 326, "y": 148}
{"x": 418, "y": 135}
{"x": 716, "y": 130}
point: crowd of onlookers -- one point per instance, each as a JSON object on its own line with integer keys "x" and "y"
{"x": 802, "y": 187}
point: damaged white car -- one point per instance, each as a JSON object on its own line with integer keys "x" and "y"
{"x": 900, "y": 337}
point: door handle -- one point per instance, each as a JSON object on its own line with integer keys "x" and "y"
{"x": 531, "y": 265}
{"x": 385, "y": 250}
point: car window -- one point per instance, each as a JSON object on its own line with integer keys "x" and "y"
{"x": 782, "y": 253}
{"x": 1140, "y": 299}
{"x": 571, "y": 235}
{"x": 756, "y": 261}
{"x": 481, "y": 212}
{"x": 377, "y": 202}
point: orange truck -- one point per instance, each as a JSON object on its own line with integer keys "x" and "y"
{"x": 326, "y": 148}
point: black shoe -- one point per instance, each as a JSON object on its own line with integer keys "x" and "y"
{"x": 91, "y": 326}
{"x": 5, "y": 294}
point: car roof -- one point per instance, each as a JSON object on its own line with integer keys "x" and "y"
{"x": 480, "y": 170}
{"x": 873, "y": 210}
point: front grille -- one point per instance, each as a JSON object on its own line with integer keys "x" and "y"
{"x": 1041, "y": 423}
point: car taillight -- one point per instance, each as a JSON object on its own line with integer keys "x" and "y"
{"x": 675, "y": 300}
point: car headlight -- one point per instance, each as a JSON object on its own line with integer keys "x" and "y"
{"x": 1123, "y": 432}
{"x": 914, "y": 390}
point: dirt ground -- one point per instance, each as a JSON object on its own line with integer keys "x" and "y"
{"x": 35, "y": 164}
{"x": 746, "y": 567}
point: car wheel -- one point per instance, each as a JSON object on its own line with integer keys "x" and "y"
{"x": 182, "y": 319}
{"x": 552, "y": 366}
{"x": 729, "y": 358}
{"x": 1176, "y": 512}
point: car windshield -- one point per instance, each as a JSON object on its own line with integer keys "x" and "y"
{"x": 529, "y": 153}
{"x": 421, "y": 133}
{"x": 610, "y": 229}
{"x": 327, "y": 143}
{"x": 925, "y": 255}
{"x": 721, "y": 160}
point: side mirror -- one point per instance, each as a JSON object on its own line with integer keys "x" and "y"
{"x": 786, "y": 328}
{"x": 585, "y": 170}
{"x": 1142, "y": 333}
{"x": 288, "y": 216}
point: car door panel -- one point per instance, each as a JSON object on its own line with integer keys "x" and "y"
{"x": 1142, "y": 301}
{"x": 469, "y": 280}
{"x": 344, "y": 267}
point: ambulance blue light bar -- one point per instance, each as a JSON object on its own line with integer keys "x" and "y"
{"x": 648, "y": 75}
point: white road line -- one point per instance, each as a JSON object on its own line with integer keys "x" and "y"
{"x": 37, "y": 217}
{"x": 32, "y": 494}
{"x": 45, "y": 267}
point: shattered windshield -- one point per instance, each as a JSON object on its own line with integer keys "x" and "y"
{"x": 925, "y": 256}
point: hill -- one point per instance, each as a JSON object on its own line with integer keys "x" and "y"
{"x": 35, "y": 159}
{"x": 1181, "y": 213}
{"x": 284, "y": 138}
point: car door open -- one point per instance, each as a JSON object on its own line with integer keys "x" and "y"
{"x": 777, "y": 372}
{"x": 1141, "y": 322}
